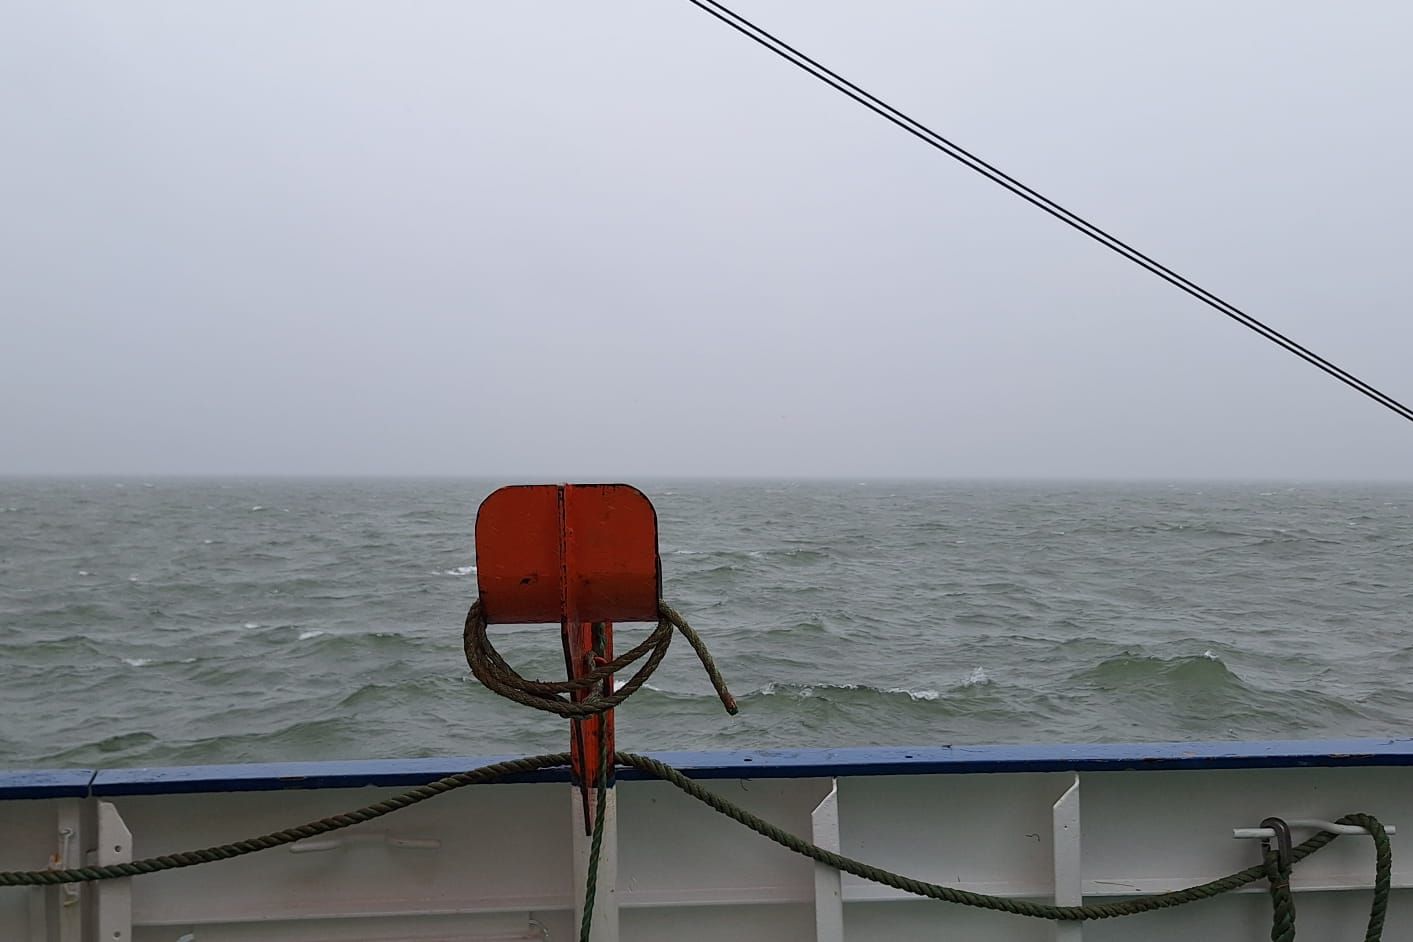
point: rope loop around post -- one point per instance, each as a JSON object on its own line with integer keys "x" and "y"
{"x": 1282, "y": 901}
{"x": 1277, "y": 861}
{"x": 551, "y": 696}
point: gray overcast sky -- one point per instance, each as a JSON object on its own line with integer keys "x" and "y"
{"x": 565, "y": 239}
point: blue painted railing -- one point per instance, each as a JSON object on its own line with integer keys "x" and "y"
{"x": 805, "y": 763}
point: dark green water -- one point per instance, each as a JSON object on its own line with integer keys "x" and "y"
{"x": 175, "y": 622}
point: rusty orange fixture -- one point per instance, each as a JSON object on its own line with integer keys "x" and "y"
{"x": 584, "y": 555}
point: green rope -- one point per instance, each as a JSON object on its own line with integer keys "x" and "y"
{"x": 1129, "y": 907}
{"x": 1282, "y": 900}
{"x": 591, "y": 882}
{"x": 489, "y": 773}
{"x": 1383, "y": 872}
{"x": 551, "y": 696}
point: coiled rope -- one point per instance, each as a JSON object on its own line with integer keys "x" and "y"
{"x": 552, "y": 696}
{"x": 557, "y": 697}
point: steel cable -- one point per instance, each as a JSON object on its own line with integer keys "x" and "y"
{"x": 1037, "y": 199}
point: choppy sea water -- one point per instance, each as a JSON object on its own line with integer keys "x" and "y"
{"x": 149, "y": 622}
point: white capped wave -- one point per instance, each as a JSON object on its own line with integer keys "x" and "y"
{"x": 976, "y": 678}
{"x": 924, "y": 694}
{"x": 137, "y": 661}
{"x": 804, "y": 691}
{"x": 460, "y": 571}
{"x": 252, "y": 624}
{"x": 311, "y": 633}
{"x": 1210, "y": 655}
{"x": 257, "y": 507}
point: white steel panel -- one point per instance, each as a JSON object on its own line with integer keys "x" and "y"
{"x": 496, "y": 927}
{"x": 1333, "y": 917}
{"x": 915, "y": 920}
{"x": 1146, "y": 832}
{"x": 674, "y": 850}
{"x": 990, "y": 833}
{"x": 788, "y": 922}
{"x": 504, "y": 848}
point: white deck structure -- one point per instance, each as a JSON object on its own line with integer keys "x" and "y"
{"x": 497, "y": 862}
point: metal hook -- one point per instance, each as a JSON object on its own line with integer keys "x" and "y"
{"x": 1283, "y": 853}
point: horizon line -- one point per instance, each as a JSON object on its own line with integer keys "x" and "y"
{"x": 775, "y": 478}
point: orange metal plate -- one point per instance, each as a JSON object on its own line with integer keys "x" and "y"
{"x": 551, "y": 553}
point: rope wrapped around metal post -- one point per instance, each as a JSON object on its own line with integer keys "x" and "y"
{"x": 1278, "y": 862}
{"x": 552, "y": 696}
{"x": 591, "y": 881}
{"x": 1282, "y": 900}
